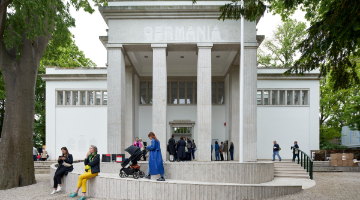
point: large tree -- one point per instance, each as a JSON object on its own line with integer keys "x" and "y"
{"x": 333, "y": 36}
{"x": 280, "y": 50}
{"x": 26, "y": 27}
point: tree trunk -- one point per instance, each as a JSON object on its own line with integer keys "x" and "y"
{"x": 16, "y": 159}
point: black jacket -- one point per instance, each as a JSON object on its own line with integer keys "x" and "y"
{"x": 95, "y": 164}
{"x": 68, "y": 160}
{"x": 276, "y": 147}
{"x": 181, "y": 149}
{"x": 231, "y": 147}
{"x": 172, "y": 145}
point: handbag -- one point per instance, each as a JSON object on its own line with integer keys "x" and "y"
{"x": 67, "y": 164}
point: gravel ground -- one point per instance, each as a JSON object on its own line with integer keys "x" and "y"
{"x": 329, "y": 185}
{"x": 343, "y": 185}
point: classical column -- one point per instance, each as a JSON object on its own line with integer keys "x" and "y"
{"x": 159, "y": 95}
{"x": 234, "y": 109}
{"x": 116, "y": 99}
{"x": 250, "y": 106}
{"x": 129, "y": 107}
{"x": 204, "y": 102}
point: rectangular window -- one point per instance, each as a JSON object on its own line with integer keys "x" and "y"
{"x": 195, "y": 95}
{"x": 91, "y": 98}
{"x": 282, "y": 97}
{"x": 266, "y": 97}
{"x": 174, "y": 93}
{"x": 213, "y": 92}
{"x": 189, "y": 93}
{"x": 168, "y": 93}
{"x": 83, "y": 97}
{"x": 68, "y": 97}
{"x": 296, "y": 97}
{"x": 289, "y": 97}
{"x": 150, "y": 93}
{"x": 75, "y": 98}
{"x": 60, "y": 96}
{"x": 220, "y": 92}
{"x": 98, "y": 97}
{"x": 305, "y": 98}
{"x": 273, "y": 97}
{"x": 181, "y": 93}
{"x": 105, "y": 98}
{"x": 258, "y": 97}
{"x": 142, "y": 93}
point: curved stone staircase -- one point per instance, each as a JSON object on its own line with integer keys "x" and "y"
{"x": 288, "y": 169}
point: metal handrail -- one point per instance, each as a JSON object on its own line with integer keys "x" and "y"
{"x": 304, "y": 162}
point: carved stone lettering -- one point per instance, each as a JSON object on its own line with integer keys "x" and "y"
{"x": 182, "y": 33}
{"x": 200, "y": 33}
{"x": 179, "y": 33}
{"x": 158, "y": 33}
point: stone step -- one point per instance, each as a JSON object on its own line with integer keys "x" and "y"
{"x": 42, "y": 171}
{"x": 290, "y": 166}
{"x": 291, "y": 176}
{"x": 287, "y": 169}
{"x": 290, "y": 172}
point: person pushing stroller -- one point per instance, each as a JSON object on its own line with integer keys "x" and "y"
{"x": 155, "y": 159}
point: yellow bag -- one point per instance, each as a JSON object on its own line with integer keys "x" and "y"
{"x": 87, "y": 167}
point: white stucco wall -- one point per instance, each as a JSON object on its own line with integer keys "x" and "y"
{"x": 287, "y": 124}
{"x": 69, "y": 125}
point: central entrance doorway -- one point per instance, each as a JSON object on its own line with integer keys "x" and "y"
{"x": 180, "y": 128}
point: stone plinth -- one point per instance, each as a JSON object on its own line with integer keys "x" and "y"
{"x": 111, "y": 186}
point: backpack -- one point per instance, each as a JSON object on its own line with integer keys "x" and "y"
{"x": 189, "y": 145}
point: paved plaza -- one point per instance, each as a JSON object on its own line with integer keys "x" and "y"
{"x": 342, "y": 185}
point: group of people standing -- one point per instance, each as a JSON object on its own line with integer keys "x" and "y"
{"x": 182, "y": 150}
{"x": 40, "y": 156}
{"x": 221, "y": 152}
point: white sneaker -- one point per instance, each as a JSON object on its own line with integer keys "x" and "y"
{"x": 53, "y": 192}
{"x": 58, "y": 189}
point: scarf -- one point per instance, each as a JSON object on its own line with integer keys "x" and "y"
{"x": 91, "y": 157}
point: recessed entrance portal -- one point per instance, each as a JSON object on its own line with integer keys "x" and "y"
{"x": 180, "y": 128}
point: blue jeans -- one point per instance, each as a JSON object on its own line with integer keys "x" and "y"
{"x": 232, "y": 154}
{"x": 162, "y": 175}
{"x": 276, "y": 153}
{"x": 35, "y": 157}
{"x": 193, "y": 153}
{"x": 217, "y": 156}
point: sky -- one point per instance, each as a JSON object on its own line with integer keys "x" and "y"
{"x": 90, "y": 26}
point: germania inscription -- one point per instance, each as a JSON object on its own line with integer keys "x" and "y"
{"x": 182, "y": 33}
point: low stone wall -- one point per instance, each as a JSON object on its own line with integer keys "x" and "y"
{"x": 325, "y": 166}
{"x": 220, "y": 172}
{"x": 111, "y": 186}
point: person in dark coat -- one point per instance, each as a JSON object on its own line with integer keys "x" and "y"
{"x": 181, "y": 149}
{"x": 155, "y": 159}
{"x": 231, "y": 150}
{"x": 189, "y": 147}
{"x": 92, "y": 169}
{"x": 172, "y": 150}
{"x": 64, "y": 167}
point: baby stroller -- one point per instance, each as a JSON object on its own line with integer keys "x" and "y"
{"x": 130, "y": 166}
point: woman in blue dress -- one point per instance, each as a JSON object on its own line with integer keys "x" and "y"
{"x": 217, "y": 156}
{"x": 155, "y": 159}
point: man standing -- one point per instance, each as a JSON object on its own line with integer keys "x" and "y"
{"x": 225, "y": 150}
{"x": 221, "y": 148}
{"x": 172, "y": 150}
{"x": 296, "y": 146}
{"x": 35, "y": 153}
{"x": 276, "y": 150}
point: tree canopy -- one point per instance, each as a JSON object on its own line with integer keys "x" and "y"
{"x": 333, "y": 36}
{"x": 280, "y": 49}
